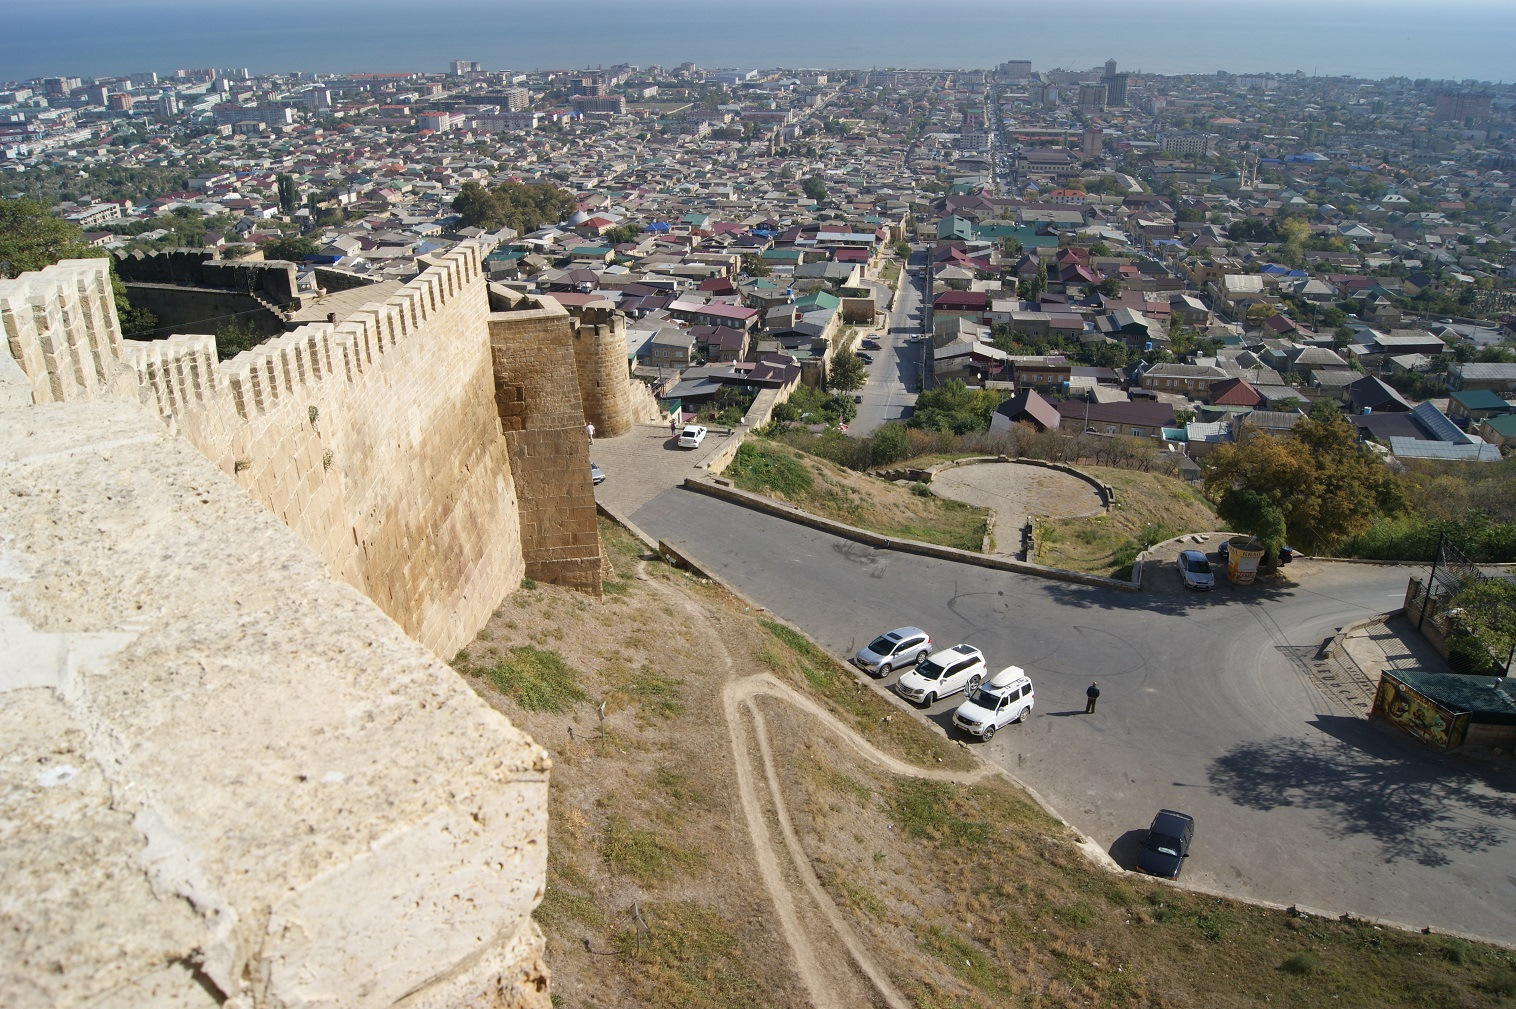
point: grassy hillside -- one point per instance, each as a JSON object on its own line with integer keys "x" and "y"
{"x": 824, "y": 488}
{"x": 789, "y": 837}
{"x": 1149, "y": 509}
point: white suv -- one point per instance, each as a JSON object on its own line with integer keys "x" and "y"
{"x": 1007, "y": 698}
{"x": 949, "y": 671}
{"x": 900, "y": 647}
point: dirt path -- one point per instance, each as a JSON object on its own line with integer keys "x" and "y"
{"x": 828, "y": 956}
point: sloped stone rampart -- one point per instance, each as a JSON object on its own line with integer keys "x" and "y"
{"x": 229, "y": 779}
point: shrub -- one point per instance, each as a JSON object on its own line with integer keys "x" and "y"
{"x": 536, "y": 679}
{"x": 1302, "y": 964}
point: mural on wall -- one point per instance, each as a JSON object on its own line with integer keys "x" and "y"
{"x": 1419, "y": 715}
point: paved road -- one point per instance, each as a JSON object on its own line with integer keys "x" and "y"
{"x": 1206, "y": 708}
{"x": 895, "y": 375}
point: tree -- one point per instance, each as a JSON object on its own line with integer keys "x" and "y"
{"x": 1323, "y": 482}
{"x": 32, "y": 239}
{"x": 289, "y": 196}
{"x": 814, "y": 187}
{"x": 755, "y": 266}
{"x": 847, "y": 372}
{"x": 291, "y": 247}
{"x": 521, "y": 206}
{"x": 1250, "y": 512}
{"x": 1110, "y": 286}
{"x": 622, "y": 233}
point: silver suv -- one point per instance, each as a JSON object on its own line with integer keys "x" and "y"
{"x": 900, "y": 647}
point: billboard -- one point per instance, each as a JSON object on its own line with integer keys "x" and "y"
{"x": 1430, "y": 722}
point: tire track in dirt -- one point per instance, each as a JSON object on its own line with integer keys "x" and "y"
{"x": 740, "y": 710}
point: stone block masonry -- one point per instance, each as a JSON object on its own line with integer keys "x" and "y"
{"x": 543, "y": 418}
{"x": 376, "y": 440}
{"x": 227, "y": 778}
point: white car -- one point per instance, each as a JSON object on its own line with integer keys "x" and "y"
{"x": 1007, "y": 698}
{"x": 949, "y": 671}
{"x": 691, "y": 436}
{"x": 900, "y": 647}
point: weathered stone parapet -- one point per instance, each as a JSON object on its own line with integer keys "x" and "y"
{"x": 229, "y": 779}
{"x": 59, "y": 327}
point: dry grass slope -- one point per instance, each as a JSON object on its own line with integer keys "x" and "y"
{"x": 1149, "y": 509}
{"x": 826, "y": 489}
{"x": 943, "y": 880}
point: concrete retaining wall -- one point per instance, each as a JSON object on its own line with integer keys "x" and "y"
{"x": 723, "y": 490}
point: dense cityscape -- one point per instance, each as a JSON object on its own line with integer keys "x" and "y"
{"x": 454, "y": 519}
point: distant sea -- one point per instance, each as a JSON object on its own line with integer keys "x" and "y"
{"x": 1444, "y": 39}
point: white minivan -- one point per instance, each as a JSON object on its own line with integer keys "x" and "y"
{"x": 1007, "y": 698}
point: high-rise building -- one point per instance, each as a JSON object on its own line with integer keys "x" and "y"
{"x": 1016, "y": 68}
{"x": 1115, "y": 85}
{"x": 462, "y": 68}
{"x": 1092, "y": 139}
{"x": 1458, "y": 106}
{"x": 515, "y": 99}
{"x": 1091, "y": 96}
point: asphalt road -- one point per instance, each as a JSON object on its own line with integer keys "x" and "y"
{"x": 894, "y": 377}
{"x": 1205, "y": 708}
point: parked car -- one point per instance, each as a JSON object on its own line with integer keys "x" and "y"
{"x": 691, "y": 436}
{"x": 947, "y": 672}
{"x": 866, "y": 358}
{"x": 597, "y": 475}
{"x": 871, "y": 345}
{"x": 1167, "y": 844}
{"x": 1008, "y": 697}
{"x": 1195, "y": 570}
{"x": 1286, "y": 553}
{"x": 900, "y": 647}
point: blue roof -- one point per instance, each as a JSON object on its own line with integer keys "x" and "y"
{"x": 657, "y": 226}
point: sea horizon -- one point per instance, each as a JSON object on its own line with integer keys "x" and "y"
{"x": 1460, "y": 41}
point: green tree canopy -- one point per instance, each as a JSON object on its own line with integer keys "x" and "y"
{"x": 847, "y": 372}
{"x": 31, "y": 238}
{"x": 291, "y": 247}
{"x": 1322, "y": 481}
{"x": 814, "y": 187}
{"x": 521, "y": 206}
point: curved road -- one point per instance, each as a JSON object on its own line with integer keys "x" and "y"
{"x": 1206, "y": 707}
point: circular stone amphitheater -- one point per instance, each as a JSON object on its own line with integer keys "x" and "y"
{"x": 1015, "y": 490}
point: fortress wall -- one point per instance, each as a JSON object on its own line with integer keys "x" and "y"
{"x": 231, "y": 778}
{"x": 543, "y": 419}
{"x": 58, "y": 326}
{"x": 376, "y": 440}
{"x": 600, "y": 362}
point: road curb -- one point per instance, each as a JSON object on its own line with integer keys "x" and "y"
{"x": 723, "y": 490}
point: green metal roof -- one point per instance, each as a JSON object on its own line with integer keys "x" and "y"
{"x": 1490, "y": 700}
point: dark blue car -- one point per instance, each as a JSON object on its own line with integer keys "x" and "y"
{"x": 1167, "y": 844}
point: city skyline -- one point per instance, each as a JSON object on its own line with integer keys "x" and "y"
{"x": 83, "y": 37}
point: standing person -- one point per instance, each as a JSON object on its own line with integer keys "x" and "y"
{"x": 1091, "y": 695}
{"x": 589, "y": 429}
{"x": 673, "y": 425}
